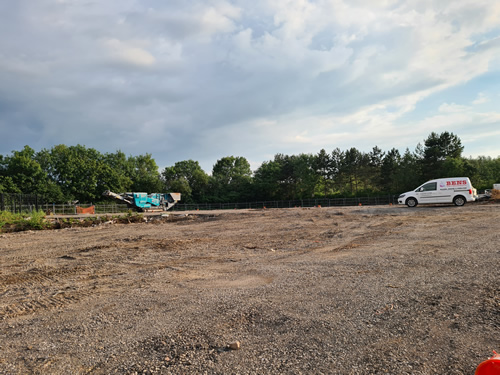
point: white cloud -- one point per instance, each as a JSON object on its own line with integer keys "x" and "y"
{"x": 481, "y": 98}
{"x": 128, "y": 53}
{"x": 452, "y": 108}
{"x": 219, "y": 20}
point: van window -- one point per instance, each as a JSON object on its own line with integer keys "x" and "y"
{"x": 428, "y": 187}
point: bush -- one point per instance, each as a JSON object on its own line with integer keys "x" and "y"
{"x": 18, "y": 222}
{"x": 36, "y": 220}
{"x": 7, "y": 218}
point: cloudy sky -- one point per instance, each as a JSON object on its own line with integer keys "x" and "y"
{"x": 204, "y": 79}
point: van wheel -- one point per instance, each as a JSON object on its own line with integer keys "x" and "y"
{"x": 411, "y": 202}
{"x": 459, "y": 200}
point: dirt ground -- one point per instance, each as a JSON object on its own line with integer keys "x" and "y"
{"x": 360, "y": 290}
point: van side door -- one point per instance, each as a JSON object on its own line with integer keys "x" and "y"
{"x": 427, "y": 193}
{"x": 444, "y": 193}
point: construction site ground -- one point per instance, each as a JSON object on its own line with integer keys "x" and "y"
{"x": 350, "y": 290}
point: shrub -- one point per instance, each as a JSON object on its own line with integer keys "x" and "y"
{"x": 8, "y": 218}
{"x": 37, "y": 220}
{"x": 18, "y": 222}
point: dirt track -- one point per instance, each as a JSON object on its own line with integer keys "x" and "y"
{"x": 364, "y": 290}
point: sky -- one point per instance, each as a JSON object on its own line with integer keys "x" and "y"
{"x": 205, "y": 79}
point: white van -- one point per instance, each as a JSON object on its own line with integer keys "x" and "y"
{"x": 457, "y": 190}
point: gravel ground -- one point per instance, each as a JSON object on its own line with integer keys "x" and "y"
{"x": 359, "y": 290}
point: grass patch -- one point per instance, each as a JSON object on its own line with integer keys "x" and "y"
{"x": 37, "y": 220}
{"x": 10, "y": 222}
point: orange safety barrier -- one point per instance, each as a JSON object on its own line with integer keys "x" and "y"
{"x": 89, "y": 210}
{"x": 489, "y": 367}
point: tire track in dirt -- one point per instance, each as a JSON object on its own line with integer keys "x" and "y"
{"x": 39, "y": 288}
{"x": 95, "y": 271}
{"x": 27, "y": 306}
{"x": 376, "y": 232}
{"x": 108, "y": 266}
{"x": 349, "y": 234}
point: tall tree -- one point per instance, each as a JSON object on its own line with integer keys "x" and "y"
{"x": 437, "y": 149}
{"x": 374, "y": 170}
{"x": 409, "y": 174}
{"x": 7, "y": 185}
{"x": 323, "y": 166}
{"x": 305, "y": 176}
{"x": 79, "y": 171}
{"x": 389, "y": 171}
{"x": 231, "y": 179}
{"x": 25, "y": 172}
{"x": 230, "y": 168}
{"x": 118, "y": 172}
{"x": 336, "y": 169}
{"x": 267, "y": 180}
{"x": 352, "y": 164}
{"x": 187, "y": 178}
{"x": 144, "y": 174}
{"x": 287, "y": 177}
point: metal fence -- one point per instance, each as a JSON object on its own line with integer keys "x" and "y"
{"x": 19, "y": 202}
{"x": 26, "y": 203}
{"x": 23, "y": 203}
{"x": 68, "y": 209}
{"x": 324, "y": 202}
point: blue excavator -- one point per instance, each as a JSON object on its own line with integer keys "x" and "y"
{"x": 144, "y": 202}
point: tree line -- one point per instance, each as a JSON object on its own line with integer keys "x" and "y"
{"x": 67, "y": 173}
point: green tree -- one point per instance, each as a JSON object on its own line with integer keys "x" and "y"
{"x": 230, "y": 168}
{"x": 7, "y": 185}
{"x": 187, "y": 178}
{"x": 390, "y": 170}
{"x": 84, "y": 173}
{"x": 144, "y": 174}
{"x": 287, "y": 177}
{"x": 24, "y": 172}
{"x": 484, "y": 171}
{"x": 323, "y": 166}
{"x": 231, "y": 179}
{"x": 455, "y": 167}
{"x": 351, "y": 168}
{"x": 374, "y": 169}
{"x": 80, "y": 172}
{"x": 267, "y": 180}
{"x": 117, "y": 173}
{"x": 409, "y": 175}
{"x": 304, "y": 175}
{"x": 336, "y": 169}
{"x": 437, "y": 149}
